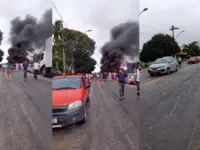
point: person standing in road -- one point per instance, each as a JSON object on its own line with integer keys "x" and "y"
{"x": 179, "y": 61}
{"x": 121, "y": 80}
{"x": 36, "y": 68}
{"x": 137, "y": 80}
{"x": 101, "y": 79}
{"x": 9, "y": 71}
{"x": 25, "y": 67}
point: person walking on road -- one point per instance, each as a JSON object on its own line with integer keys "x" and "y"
{"x": 121, "y": 80}
{"x": 36, "y": 67}
{"x": 9, "y": 71}
{"x": 25, "y": 67}
{"x": 101, "y": 79}
{"x": 179, "y": 61}
{"x": 137, "y": 80}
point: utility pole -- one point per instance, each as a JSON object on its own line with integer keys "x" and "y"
{"x": 63, "y": 45}
{"x": 172, "y": 29}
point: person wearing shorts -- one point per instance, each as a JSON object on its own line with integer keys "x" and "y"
{"x": 9, "y": 71}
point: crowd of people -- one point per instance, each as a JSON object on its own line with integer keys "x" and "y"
{"x": 10, "y": 67}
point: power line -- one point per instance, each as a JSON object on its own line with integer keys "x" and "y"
{"x": 58, "y": 13}
{"x": 146, "y": 34}
{"x": 150, "y": 28}
{"x": 55, "y": 17}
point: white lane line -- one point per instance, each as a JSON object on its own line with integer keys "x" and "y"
{"x": 193, "y": 132}
{"x": 31, "y": 122}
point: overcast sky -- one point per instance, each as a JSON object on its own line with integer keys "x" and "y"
{"x": 100, "y": 16}
{"x": 10, "y": 9}
{"x": 162, "y": 14}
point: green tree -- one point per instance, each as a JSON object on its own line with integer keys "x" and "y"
{"x": 76, "y": 44}
{"x": 57, "y": 61}
{"x": 57, "y": 31}
{"x": 1, "y": 36}
{"x": 1, "y": 55}
{"x": 1, "y": 52}
{"x": 192, "y": 49}
{"x": 160, "y": 45}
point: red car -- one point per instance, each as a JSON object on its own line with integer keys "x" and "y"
{"x": 70, "y": 96}
{"x": 193, "y": 60}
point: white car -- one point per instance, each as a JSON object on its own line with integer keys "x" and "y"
{"x": 164, "y": 65}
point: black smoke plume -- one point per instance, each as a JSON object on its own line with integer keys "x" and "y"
{"x": 124, "y": 42}
{"x": 28, "y": 34}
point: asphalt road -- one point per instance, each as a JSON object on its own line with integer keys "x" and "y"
{"x": 170, "y": 110}
{"x": 25, "y": 117}
{"x": 112, "y": 125}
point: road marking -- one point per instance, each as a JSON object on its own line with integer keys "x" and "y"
{"x": 193, "y": 132}
{"x": 31, "y": 122}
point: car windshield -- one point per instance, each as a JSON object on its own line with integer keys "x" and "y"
{"x": 66, "y": 83}
{"x": 160, "y": 61}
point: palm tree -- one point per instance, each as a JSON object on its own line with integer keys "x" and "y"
{"x": 57, "y": 29}
{"x": 56, "y": 58}
{"x": 57, "y": 35}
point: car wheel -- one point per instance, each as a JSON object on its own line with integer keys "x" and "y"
{"x": 176, "y": 68}
{"x": 43, "y": 72}
{"x": 168, "y": 71}
{"x": 85, "y": 116}
{"x": 151, "y": 74}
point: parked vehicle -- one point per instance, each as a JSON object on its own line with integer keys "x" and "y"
{"x": 44, "y": 57}
{"x": 164, "y": 65}
{"x": 193, "y": 60}
{"x": 70, "y": 97}
{"x": 30, "y": 68}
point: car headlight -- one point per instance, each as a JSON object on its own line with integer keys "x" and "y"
{"x": 75, "y": 105}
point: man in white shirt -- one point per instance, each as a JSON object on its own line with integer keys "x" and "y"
{"x": 138, "y": 79}
{"x": 36, "y": 67}
{"x": 179, "y": 61}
